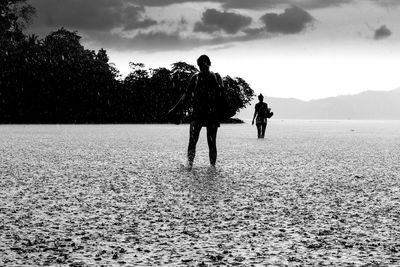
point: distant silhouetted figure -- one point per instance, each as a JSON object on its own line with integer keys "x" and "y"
{"x": 203, "y": 93}
{"x": 261, "y": 113}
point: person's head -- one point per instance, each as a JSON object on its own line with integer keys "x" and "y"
{"x": 204, "y": 63}
{"x": 261, "y": 98}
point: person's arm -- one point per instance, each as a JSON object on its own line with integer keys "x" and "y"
{"x": 219, "y": 80}
{"x": 255, "y": 114}
{"x": 185, "y": 95}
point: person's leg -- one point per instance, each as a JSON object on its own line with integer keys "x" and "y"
{"x": 194, "y": 132}
{"x": 258, "y": 130}
{"x": 264, "y": 125}
{"x": 212, "y": 143}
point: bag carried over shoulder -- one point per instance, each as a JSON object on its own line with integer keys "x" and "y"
{"x": 225, "y": 107}
{"x": 270, "y": 113}
{"x": 264, "y": 111}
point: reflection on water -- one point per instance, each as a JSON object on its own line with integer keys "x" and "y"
{"x": 208, "y": 184}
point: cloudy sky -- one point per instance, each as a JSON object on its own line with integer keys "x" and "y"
{"x": 305, "y": 49}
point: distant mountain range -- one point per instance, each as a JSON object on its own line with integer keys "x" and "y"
{"x": 369, "y": 105}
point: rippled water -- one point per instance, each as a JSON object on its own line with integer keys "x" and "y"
{"x": 312, "y": 192}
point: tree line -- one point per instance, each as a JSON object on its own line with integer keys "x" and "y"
{"x": 56, "y": 80}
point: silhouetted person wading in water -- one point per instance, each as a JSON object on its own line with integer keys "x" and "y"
{"x": 203, "y": 92}
{"x": 261, "y": 114}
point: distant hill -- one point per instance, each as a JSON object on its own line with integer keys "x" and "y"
{"x": 369, "y": 105}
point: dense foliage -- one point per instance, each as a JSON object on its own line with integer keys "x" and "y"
{"x": 57, "y": 80}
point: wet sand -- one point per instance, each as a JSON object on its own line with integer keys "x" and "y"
{"x": 311, "y": 193}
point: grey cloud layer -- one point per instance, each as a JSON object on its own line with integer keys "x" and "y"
{"x": 307, "y": 4}
{"x": 292, "y": 20}
{"x": 256, "y": 4}
{"x": 156, "y": 41}
{"x": 96, "y": 19}
{"x": 252, "y": 4}
{"x": 316, "y": 4}
{"x": 386, "y": 3}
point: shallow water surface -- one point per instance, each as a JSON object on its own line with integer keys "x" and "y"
{"x": 310, "y": 193}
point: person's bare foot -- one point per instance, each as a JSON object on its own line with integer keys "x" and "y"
{"x": 212, "y": 168}
{"x": 189, "y": 166}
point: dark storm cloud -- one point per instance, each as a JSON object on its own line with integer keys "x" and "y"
{"x": 214, "y": 20}
{"x": 382, "y": 33}
{"x": 292, "y": 20}
{"x": 100, "y": 15}
{"x": 132, "y": 18}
